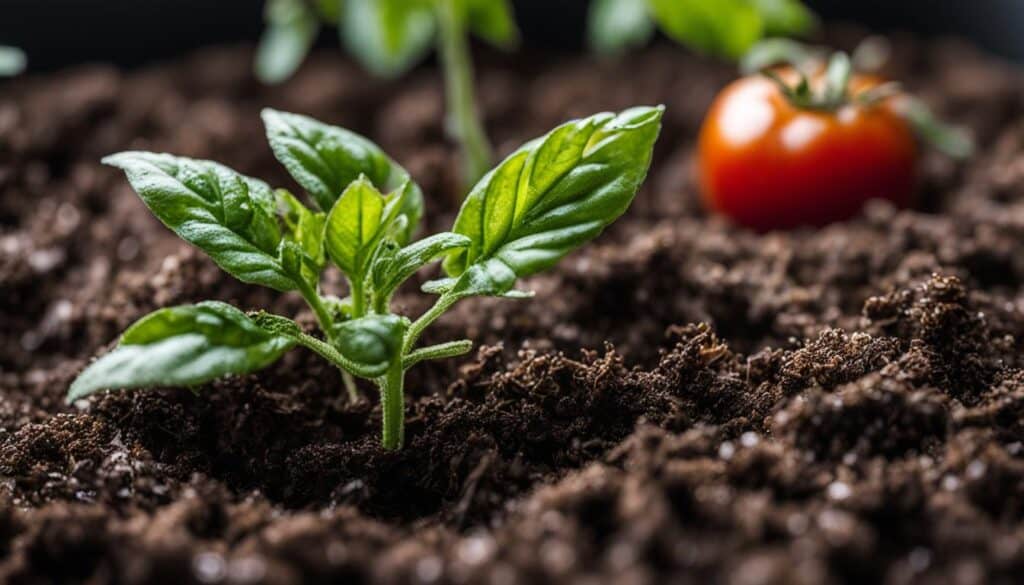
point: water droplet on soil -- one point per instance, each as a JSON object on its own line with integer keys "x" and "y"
{"x": 209, "y": 567}
{"x": 838, "y": 490}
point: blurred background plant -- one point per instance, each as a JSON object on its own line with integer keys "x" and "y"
{"x": 388, "y": 37}
{"x": 725, "y": 28}
{"x": 134, "y": 32}
{"x": 12, "y": 61}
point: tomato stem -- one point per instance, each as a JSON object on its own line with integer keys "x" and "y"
{"x": 835, "y": 91}
{"x": 833, "y": 95}
{"x": 392, "y": 406}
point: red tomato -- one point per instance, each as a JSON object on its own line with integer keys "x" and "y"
{"x": 769, "y": 165}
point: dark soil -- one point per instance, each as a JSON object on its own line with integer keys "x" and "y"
{"x": 683, "y": 402}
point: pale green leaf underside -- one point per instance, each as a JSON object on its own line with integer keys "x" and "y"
{"x": 324, "y": 159}
{"x": 291, "y": 29}
{"x": 388, "y": 36}
{"x": 615, "y": 25}
{"x": 726, "y": 28}
{"x": 229, "y": 216}
{"x": 553, "y": 195}
{"x": 302, "y": 226}
{"x": 785, "y": 17}
{"x": 305, "y": 229}
{"x": 493, "y": 21}
{"x": 182, "y": 346}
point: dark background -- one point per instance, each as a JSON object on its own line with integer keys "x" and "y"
{"x": 56, "y": 33}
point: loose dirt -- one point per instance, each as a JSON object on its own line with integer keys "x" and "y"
{"x": 683, "y": 401}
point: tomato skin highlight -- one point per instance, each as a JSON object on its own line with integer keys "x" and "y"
{"x": 767, "y": 165}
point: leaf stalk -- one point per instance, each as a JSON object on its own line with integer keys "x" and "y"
{"x": 436, "y": 352}
{"x": 443, "y": 303}
{"x": 326, "y": 323}
{"x": 323, "y": 316}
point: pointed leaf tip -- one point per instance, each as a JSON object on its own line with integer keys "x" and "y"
{"x": 550, "y": 197}
{"x": 182, "y": 346}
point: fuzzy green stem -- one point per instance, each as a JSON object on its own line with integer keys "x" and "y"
{"x": 380, "y": 304}
{"x": 437, "y": 352}
{"x": 392, "y": 406}
{"x": 350, "y": 386}
{"x": 412, "y": 335}
{"x": 463, "y": 115}
{"x": 323, "y": 316}
{"x": 326, "y": 323}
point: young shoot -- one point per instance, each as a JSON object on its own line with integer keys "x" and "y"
{"x": 723, "y": 28}
{"x": 546, "y": 199}
{"x": 389, "y": 37}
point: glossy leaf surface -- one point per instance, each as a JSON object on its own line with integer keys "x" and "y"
{"x": 182, "y": 346}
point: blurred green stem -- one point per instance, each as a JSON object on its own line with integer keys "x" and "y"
{"x": 463, "y": 121}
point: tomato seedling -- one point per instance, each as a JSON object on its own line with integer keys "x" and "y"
{"x": 546, "y": 199}
{"x": 723, "y": 28}
{"x": 390, "y": 36}
{"x": 794, "y": 148}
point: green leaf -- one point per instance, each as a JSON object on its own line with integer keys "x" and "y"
{"x": 356, "y": 225}
{"x": 302, "y": 226}
{"x": 229, "y": 216}
{"x": 725, "y": 28}
{"x": 771, "y": 52}
{"x": 291, "y": 29}
{"x": 340, "y": 308}
{"x": 305, "y": 229}
{"x": 491, "y": 278}
{"x": 785, "y": 17}
{"x": 182, "y": 346}
{"x": 372, "y": 342}
{"x": 330, "y": 10}
{"x": 493, "y": 21}
{"x": 391, "y": 270}
{"x": 12, "y": 61}
{"x": 388, "y": 36}
{"x": 550, "y": 197}
{"x": 616, "y": 25}
{"x": 324, "y": 159}
{"x": 298, "y": 265}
